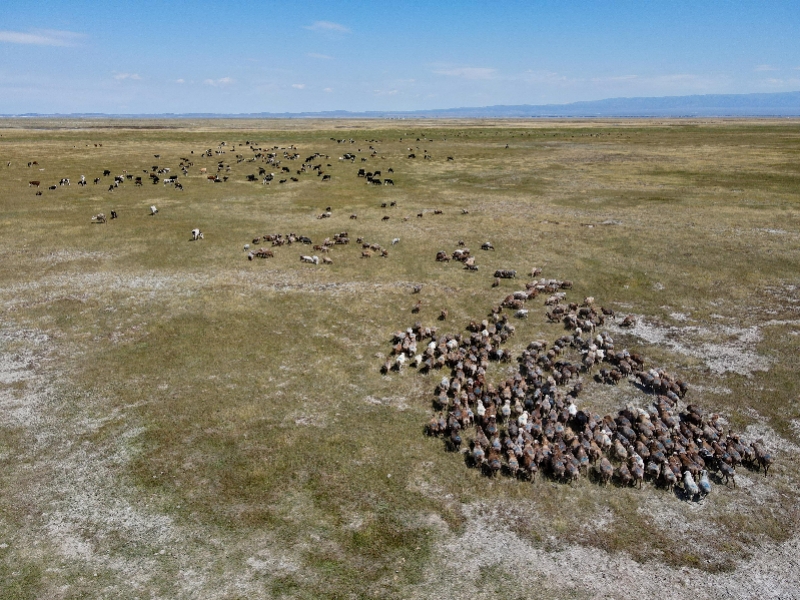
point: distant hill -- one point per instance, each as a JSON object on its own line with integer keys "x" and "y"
{"x": 785, "y": 104}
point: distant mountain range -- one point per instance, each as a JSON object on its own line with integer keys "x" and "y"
{"x": 785, "y": 104}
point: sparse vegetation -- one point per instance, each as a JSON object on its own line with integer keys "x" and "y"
{"x": 178, "y": 421}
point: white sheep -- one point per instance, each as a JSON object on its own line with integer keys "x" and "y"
{"x": 395, "y": 241}
{"x": 196, "y": 235}
{"x": 522, "y": 313}
{"x": 689, "y": 486}
{"x": 153, "y": 210}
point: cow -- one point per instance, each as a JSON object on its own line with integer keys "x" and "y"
{"x": 106, "y": 172}
{"x": 196, "y": 235}
{"x": 34, "y": 183}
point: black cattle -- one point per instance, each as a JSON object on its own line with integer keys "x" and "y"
{"x": 106, "y": 173}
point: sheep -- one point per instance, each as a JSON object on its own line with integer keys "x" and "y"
{"x": 99, "y": 218}
{"x": 314, "y": 260}
{"x": 704, "y": 484}
{"x": 764, "y": 458}
{"x": 395, "y": 241}
{"x": 689, "y": 486}
{"x": 522, "y": 313}
{"x": 196, "y": 235}
{"x": 605, "y": 471}
{"x": 326, "y": 260}
{"x": 153, "y": 211}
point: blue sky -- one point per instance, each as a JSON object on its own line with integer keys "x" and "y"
{"x": 229, "y": 56}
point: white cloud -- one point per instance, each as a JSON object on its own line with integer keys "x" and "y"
{"x": 469, "y": 72}
{"x": 775, "y": 82}
{"x": 319, "y": 56}
{"x": 180, "y": 81}
{"x": 299, "y": 86}
{"x": 327, "y": 26}
{"x": 385, "y": 92}
{"x": 329, "y": 90}
{"x": 765, "y": 68}
{"x": 41, "y": 37}
{"x": 122, "y": 76}
{"x": 219, "y": 82}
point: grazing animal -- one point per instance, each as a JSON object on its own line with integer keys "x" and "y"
{"x": 704, "y": 484}
{"x": 113, "y": 214}
{"x": 606, "y": 471}
{"x": 764, "y": 458}
{"x": 314, "y": 260}
{"x": 153, "y": 211}
{"x": 196, "y": 235}
{"x": 690, "y": 488}
{"x": 99, "y": 218}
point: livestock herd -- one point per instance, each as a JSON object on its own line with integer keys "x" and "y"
{"x": 531, "y": 422}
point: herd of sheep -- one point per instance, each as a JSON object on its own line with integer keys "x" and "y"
{"x": 531, "y": 422}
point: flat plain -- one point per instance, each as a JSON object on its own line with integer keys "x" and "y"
{"x": 177, "y": 421}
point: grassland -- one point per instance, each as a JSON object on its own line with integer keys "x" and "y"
{"x": 179, "y": 422}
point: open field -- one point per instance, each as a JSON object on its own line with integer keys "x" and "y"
{"x": 179, "y": 422}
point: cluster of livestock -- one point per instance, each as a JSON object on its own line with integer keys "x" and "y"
{"x": 338, "y": 239}
{"x": 272, "y": 157}
{"x": 531, "y": 422}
